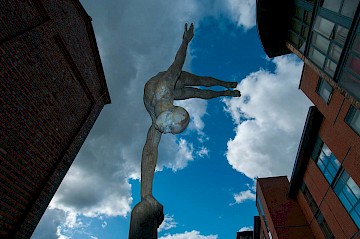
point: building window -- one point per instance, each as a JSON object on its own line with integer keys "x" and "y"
{"x": 349, "y": 194}
{"x": 309, "y": 199}
{"x": 327, "y": 43}
{"x": 299, "y": 30}
{"x": 263, "y": 216}
{"x": 345, "y": 7}
{"x": 316, "y": 211}
{"x": 323, "y": 225}
{"x": 350, "y": 78}
{"x": 353, "y": 119}
{"x": 325, "y": 160}
{"x": 324, "y": 89}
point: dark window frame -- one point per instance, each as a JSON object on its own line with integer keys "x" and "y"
{"x": 321, "y": 82}
{"x": 316, "y": 212}
{"x": 318, "y": 149}
{"x": 349, "y": 116}
{"x": 349, "y": 190}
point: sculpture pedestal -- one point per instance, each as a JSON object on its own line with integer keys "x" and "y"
{"x": 146, "y": 218}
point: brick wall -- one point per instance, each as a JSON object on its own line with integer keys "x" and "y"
{"x": 345, "y": 145}
{"x": 284, "y": 216}
{"x": 51, "y": 84}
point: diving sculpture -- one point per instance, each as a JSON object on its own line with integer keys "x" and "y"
{"x": 159, "y": 94}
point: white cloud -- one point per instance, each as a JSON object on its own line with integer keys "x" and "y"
{"x": 184, "y": 155}
{"x": 61, "y": 236}
{"x": 203, "y": 152}
{"x": 242, "y": 12}
{"x": 244, "y": 196}
{"x": 168, "y": 223}
{"x": 95, "y": 195}
{"x": 189, "y": 235}
{"x": 270, "y": 117}
{"x": 244, "y": 229}
{"x": 196, "y": 109}
{"x": 49, "y": 223}
{"x": 103, "y": 224}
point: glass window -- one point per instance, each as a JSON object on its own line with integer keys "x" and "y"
{"x": 316, "y": 211}
{"x": 296, "y": 26}
{"x": 324, "y": 26}
{"x": 353, "y": 119}
{"x": 320, "y": 42}
{"x": 350, "y": 77}
{"x": 262, "y": 213}
{"x": 316, "y": 56}
{"x": 351, "y": 83}
{"x": 326, "y": 161}
{"x": 330, "y": 67}
{"x": 323, "y": 225}
{"x": 333, "y": 5}
{"x": 349, "y": 8}
{"x": 341, "y": 34}
{"x": 354, "y": 64}
{"x": 299, "y": 29}
{"x": 349, "y": 194}
{"x": 309, "y": 199}
{"x": 324, "y": 89}
{"x": 335, "y": 52}
{"x": 344, "y": 7}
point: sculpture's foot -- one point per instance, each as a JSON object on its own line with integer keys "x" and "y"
{"x": 232, "y": 93}
{"x": 231, "y": 84}
{"x": 146, "y": 217}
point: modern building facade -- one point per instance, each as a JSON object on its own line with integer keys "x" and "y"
{"x": 52, "y": 88}
{"x": 323, "y": 191}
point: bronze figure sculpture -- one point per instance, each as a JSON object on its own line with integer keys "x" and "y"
{"x": 159, "y": 94}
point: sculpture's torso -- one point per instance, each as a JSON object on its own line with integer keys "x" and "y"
{"x": 158, "y": 95}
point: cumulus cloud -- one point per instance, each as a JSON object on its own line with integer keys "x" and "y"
{"x": 244, "y": 196}
{"x": 244, "y": 229}
{"x": 242, "y": 12}
{"x": 268, "y": 128}
{"x": 203, "y": 152}
{"x": 48, "y": 226}
{"x": 104, "y": 224}
{"x": 168, "y": 223}
{"x": 189, "y": 235}
{"x": 248, "y": 194}
{"x": 197, "y": 110}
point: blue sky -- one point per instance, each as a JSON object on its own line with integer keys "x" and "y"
{"x": 205, "y": 176}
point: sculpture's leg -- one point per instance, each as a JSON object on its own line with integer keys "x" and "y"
{"x": 189, "y": 92}
{"x": 148, "y": 161}
{"x": 188, "y": 79}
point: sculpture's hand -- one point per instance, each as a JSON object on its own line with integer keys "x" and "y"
{"x": 188, "y": 33}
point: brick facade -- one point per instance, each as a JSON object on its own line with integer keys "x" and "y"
{"x": 284, "y": 216}
{"x": 52, "y": 90}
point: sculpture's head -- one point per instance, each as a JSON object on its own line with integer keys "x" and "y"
{"x": 173, "y": 121}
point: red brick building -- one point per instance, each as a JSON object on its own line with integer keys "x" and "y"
{"x": 322, "y": 199}
{"x": 52, "y": 90}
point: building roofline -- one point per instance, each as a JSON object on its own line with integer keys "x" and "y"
{"x": 312, "y": 125}
{"x": 91, "y": 34}
{"x": 272, "y": 18}
{"x": 264, "y": 178}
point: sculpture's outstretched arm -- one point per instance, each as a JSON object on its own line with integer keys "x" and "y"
{"x": 176, "y": 67}
{"x": 148, "y": 161}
